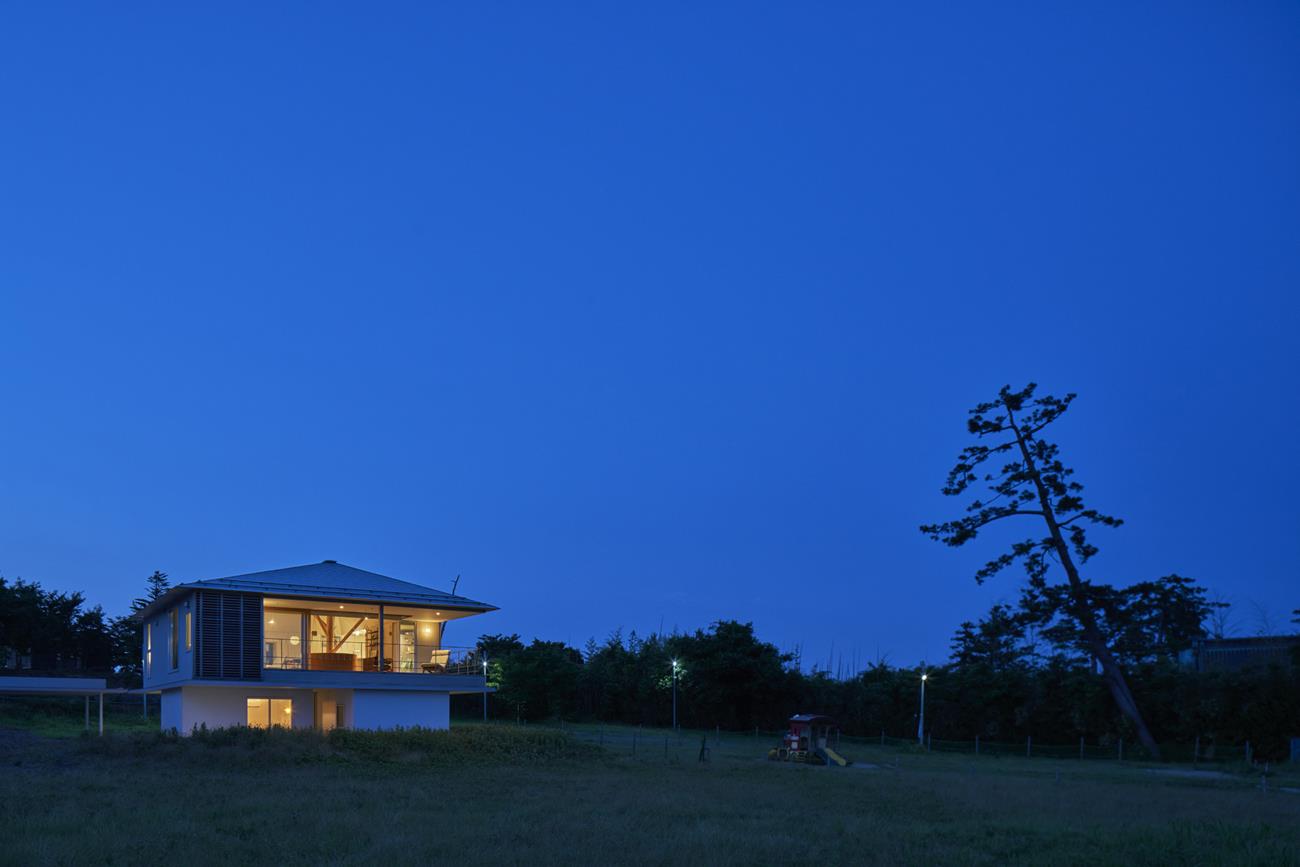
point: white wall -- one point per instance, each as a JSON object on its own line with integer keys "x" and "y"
{"x": 160, "y": 672}
{"x": 224, "y": 706}
{"x": 171, "y": 709}
{"x": 386, "y": 709}
{"x": 187, "y": 707}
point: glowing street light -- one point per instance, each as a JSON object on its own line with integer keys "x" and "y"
{"x": 920, "y": 724}
{"x": 674, "y": 695}
{"x": 484, "y": 687}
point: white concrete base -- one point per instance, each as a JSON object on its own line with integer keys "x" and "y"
{"x": 387, "y": 709}
{"x": 186, "y": 708}
{"x": 226, "y": 706}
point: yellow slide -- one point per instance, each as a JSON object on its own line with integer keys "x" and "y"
{"x": 835, "y": 757}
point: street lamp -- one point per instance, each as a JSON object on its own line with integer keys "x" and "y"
{"x": 920, "y": 724}
{"x": 674, "y": 695}
{"x": 484, "y": 687}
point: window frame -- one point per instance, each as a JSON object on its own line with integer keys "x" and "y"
{"x": 189, "y": 631}
{"x": 285, "y": 705}
{"x": 173, "y": 639}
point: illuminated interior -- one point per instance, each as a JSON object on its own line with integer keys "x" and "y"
{"x": 348, "y": 636}
{"x": 266, "y": 712}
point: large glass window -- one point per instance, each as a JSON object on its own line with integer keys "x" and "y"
{"x": 352, "y": 636}
{"x": 266, "y": 712}
{"x": 282, "y": 634}
{"x": 173, "y": 639}
{"x": 148, "y": 648}
{"x": 415, "y": 637}
{"x": 189, "y": 632}
{"x": 345, "y": 636}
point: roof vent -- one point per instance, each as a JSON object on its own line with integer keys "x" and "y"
{"x": 330, "y": 561}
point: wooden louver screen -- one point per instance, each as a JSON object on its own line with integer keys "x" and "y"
{"x": 228, "y": 635}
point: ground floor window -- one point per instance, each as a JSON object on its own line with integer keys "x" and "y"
{"x": 266, "y": 712}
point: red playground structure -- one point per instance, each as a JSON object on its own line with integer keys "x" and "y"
{"x": 811, "y": 739}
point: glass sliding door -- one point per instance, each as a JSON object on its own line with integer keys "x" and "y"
{"x": 263, "y": 713}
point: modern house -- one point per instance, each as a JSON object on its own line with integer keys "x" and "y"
{"x": 315, "y": 646}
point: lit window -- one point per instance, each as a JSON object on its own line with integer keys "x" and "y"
{"x": 189, "y": 632}
{"x": 148, "y": 648}
{"x": 173, "y": 639}
{"x": 267, "y": 712}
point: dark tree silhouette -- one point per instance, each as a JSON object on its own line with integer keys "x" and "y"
{"x": 155, "y": 586}
{"x": 1033, "y": 482}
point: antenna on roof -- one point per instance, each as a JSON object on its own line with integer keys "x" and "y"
{"x": 454, "y": 583}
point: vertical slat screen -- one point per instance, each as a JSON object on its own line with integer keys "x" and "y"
{"x": 229, "y": 635}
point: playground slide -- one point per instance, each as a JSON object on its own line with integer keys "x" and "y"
{"x": 835, "y": 757}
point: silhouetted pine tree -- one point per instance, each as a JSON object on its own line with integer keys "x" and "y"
{"x": 1033, "y": 482}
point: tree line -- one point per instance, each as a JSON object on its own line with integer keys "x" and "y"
{"x": 1073, "y": 658}
{"x": 52, "y": 632}
{"x": 1021, "y": 670}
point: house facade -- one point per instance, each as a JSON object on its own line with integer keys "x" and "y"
{"x": 319, "y": 646}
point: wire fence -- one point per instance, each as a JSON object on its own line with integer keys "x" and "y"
{"x": 653, "y": 743}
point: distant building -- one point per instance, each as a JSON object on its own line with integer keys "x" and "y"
{"x": 1237, "y": 654}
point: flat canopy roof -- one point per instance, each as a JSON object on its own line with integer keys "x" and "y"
{"x": 813, "y": 718}
{"x": 55, "y": 686}
{"x": 328, "y": 579}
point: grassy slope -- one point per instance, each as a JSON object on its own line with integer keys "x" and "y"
{"x": 492, "y": 795}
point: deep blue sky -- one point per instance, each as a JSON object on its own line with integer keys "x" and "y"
{"x": 644, "y": 317}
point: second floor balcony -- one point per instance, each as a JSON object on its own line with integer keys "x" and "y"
{"x": 342, "y": 636}
{"x": 356, "y": 655}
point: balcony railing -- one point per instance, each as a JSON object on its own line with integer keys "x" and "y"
{"x": 404, "y": 658}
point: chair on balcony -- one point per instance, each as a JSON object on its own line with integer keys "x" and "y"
{"x": 371, "y": 663}
{"x": 437, "y": 663}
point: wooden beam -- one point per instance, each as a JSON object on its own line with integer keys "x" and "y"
{"x": 328, "y": 629}
{"x": 348, "y": 635}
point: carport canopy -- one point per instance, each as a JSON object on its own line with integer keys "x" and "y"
{"x": 66, "y": 686}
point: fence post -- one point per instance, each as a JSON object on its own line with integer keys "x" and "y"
{"x": 929, "y": 741}
{"x": 977, "y": 745}
{"x": 1029, "y": 742}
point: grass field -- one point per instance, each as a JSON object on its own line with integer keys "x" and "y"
{"x": 508, "y": 795}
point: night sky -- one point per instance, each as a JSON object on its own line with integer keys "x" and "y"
{"x": 645, "y": 318}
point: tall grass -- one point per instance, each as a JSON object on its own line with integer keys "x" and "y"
{"x": 279, "y": 746}
{"x": 491, "y": 794}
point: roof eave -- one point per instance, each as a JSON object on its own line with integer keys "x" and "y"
{"x": 456, "y": 603}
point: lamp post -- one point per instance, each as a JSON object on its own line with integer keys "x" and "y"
{"x": 920, "y": 723}
{"x": 484, "y": 687}
{"x": 674, "y": 695}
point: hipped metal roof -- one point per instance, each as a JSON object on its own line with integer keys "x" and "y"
{"x": 329, "y": 580}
